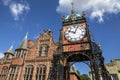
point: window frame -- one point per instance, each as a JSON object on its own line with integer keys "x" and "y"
{"x": 43, "y": 50}
{"x": 13, "y": 73}
{"x": 28, "y": 74}
{"x": 41, "y": 72}
{"x": 4, "y": 73}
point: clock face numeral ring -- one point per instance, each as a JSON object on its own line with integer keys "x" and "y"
{"x": 75, "y": 33}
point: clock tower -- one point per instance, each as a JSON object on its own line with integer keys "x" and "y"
{"x": 75, "y": 45}
{"x": 75, "y": 33}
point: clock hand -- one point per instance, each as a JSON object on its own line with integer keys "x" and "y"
{"x": 71, "y": 31}
{"x": 76, "y": 29}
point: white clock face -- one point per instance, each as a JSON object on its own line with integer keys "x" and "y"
{"x": 75, "y": 33}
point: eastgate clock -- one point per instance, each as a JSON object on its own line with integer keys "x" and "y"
{"x": 75, "y": 33}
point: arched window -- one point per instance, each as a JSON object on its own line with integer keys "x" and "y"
{"x": 28, "y": 72}
{"x": 41, "y": 72}
{"x": 13, "y": 73}
{"x": 4, "y": 73}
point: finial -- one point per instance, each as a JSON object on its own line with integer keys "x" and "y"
{"x": 72, "y": 11}
{"x": 63, "y": 18}
{"x": 99, "y": 45}
{"x": 83, "y": 14}
{"x": 26, "y": 35}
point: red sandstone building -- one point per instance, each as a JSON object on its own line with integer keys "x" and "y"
{"x": 31, "y": 60}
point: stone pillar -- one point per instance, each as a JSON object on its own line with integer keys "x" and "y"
{"x": 15, "y": 70}
{"x": 21, "y": 53}
{"x": 34, "y": 73}
{"x": 8, "y": 74}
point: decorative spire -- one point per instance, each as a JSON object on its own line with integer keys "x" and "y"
{"x": 72, "y": 11}
{"x": 83, "y": 14}
{"x": 99, "y": 45}
{"x": 73, "y": 69}
{"x": 10, "y": 50}
{"x": 24, "y": 42}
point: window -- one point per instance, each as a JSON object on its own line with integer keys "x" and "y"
{"x": 17, "y": 54}
{"x": 41, "y": 72}
{"x": 20, "y": 54}
{"x": 23, "y": 54}
{"x": 46, "y": 50}
{"x": 28, "y": 72}
{"x": 13, "y": 73}
{"x": 119, "y": 70}
{"x": 10, "y": 56}
{"x": 43, "y": 50}
{"x": 40, "y": 50}
{"x": 50, "y": 71}
{"x": 7, "y": 56}
{"x": 3, "y": 75}
{"x": 114, "y": 77}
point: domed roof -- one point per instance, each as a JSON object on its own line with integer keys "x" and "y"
{"x": 73, "y": 19}
{"x": 73, "y": 16}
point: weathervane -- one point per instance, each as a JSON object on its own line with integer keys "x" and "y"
{"x": 72, "y": 11}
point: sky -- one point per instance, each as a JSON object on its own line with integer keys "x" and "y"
{"x": 18, "y": 17}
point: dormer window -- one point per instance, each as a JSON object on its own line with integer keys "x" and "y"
{"x": 40, "y": 50}
{"x": 43, "y": 50}
{"x": 46, "y": 50}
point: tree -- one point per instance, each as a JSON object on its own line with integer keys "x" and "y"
{"x": 84, "y": 77}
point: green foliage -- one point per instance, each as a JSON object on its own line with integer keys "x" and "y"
{"x": 78, "y": 73}
{"x": 84, "y": 77}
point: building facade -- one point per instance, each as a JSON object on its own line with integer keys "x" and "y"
{"x": 74, "y": 75}
{"x": 31, "y": 60}
{"x": 114, "y": 69}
